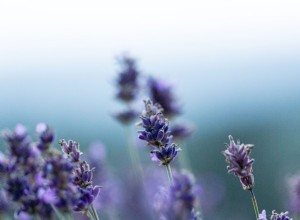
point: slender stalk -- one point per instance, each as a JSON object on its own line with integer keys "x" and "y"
{"x": 170, "y": 175}
{"x": 91, "y": 217}
{"x": 57, "y": 213}
{"x": 254, "y": 202}
{"x": 69, "y": 216}
{"x": 94, "y": 212}
{"x": 134, "y": 157}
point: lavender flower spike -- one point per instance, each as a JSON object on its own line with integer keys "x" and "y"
{"x": 281, "y": 216}
{"x": 128, "y": 79}
{"x": 166, "y": 154}
{"x": 239, "y": 162}
{"x": 156, "y": 133}
{"x": 162, "y": 93}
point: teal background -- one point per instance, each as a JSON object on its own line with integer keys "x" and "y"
{"x": 235, "y": 70}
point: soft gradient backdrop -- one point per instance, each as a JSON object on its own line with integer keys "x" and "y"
{"x": 235, "y": 66}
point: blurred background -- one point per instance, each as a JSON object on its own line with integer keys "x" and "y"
{"x": 234, "y": 66}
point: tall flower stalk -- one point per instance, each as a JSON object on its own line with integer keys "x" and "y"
{"x": 240, "y": 164}
{"x": 157, "y": 135}
{"x": 163, "y": 93}
{"x": 128, "y": 88}
{"x": 83, "y": 177}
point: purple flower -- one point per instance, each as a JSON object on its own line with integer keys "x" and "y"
{"x": 166, "y": 154}
{"x": 127, "y": 116}
{"x": 156, "y": 126}
{"x": 239, "y": 162}
{"x": 294, "y": 188}
{"x": 4, "y": 202}
{"x": 71, "y": 148}
{"x": 281, "y": 216}
{"x": 110, "y": 193}
{"x": 181, "y": 131}
{"x": 87, "y": 196}
{"x": 47, "y": 195}
{"x": 262, "y": 215}
{"x": 46, "y": 136}
{"x": 58, "y": 176}
{"x": 3, "y": 163}
{"x": 22, "y": 216}
{"x": 83, "y": 176}
{"x": 18, "y": 143}
{"x": 18, "y": 187}
{"x": 128, "y": 80}
{"x": 178, "y": 201}
{"x": 162, "y": 93}
{"x": 38, "y": 178}
{"x": 156, "y": 133}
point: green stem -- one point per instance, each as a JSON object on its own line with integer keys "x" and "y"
{"x": 254, "y": 202}
{"x": 95, "y": 212}
{"x": 69, "y": 216}
{"x": 57, "y": 213}
{"x": 134, "y": 157}
{"x": 91, "y": 217}
{"x": 170, "y": 176}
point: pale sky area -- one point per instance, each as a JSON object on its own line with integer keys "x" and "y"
{"x": 55, "y": 32}
{"x": 214, "y": 51}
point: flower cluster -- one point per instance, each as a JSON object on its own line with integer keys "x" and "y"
{"x": 83, "y": 175}
{"x": 162, "y": 93}
{"x": 128, "y": 88}
{"x": 178, "y": 201}
{"x": 156, "y": 133}
{"x": 37, "y": 179}
{"x": 181, "y": 131}
{"x": 128, "y": 79}
{"x": 280, "y": 216}
{"x": 274, "y": 216}
{"x": 239, "y": 162}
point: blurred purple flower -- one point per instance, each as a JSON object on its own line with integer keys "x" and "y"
{"x": 3, "y": 163}
{"x": 161, "y": 92}
{"x": 110, "y": 193}
{"x": 181, "y": 131}
{"x": 18, "y": 143}
{"x": 280, "y": 216}
{"x": 83, "y": 176}
{"x": 126, "y": 116}
{"x": 294, "y": 188}
{"x": 38, "y": 178}
{"x": 71, "y": 149}
{"x": 262, "y": 215}
{"x": 127, "y": 81}
{"x": 46, "y": 136}
{"x": 23, "y": 216}
{"x": 211, "y": 192}
{"x": 4, "y": 202}
{"x": 239, "y": 162}
{"x": 47, "y": 195}
{"x": 96, "y": 154}
{"x": 178, "y": 201}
